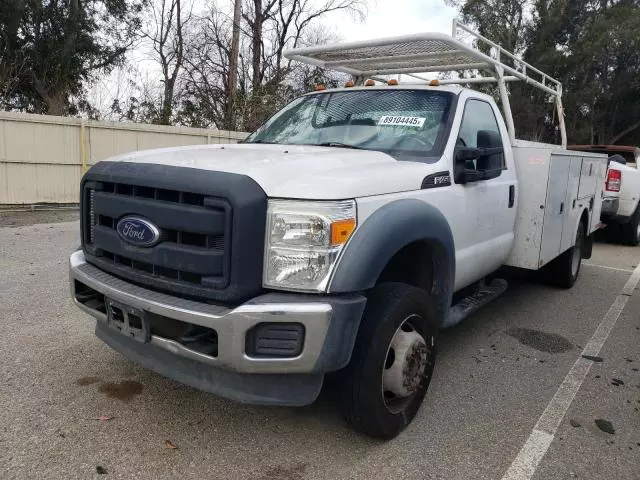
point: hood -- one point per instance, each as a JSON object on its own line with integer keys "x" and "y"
{"x": 294, "y": 171}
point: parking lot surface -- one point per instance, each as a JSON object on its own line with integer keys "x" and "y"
{"x": 498, "y": 374}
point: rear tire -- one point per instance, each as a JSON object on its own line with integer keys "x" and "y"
{"x": 630, "y": 232}
{"x": 392, "y": 362}
{"x": 564, "y": 270}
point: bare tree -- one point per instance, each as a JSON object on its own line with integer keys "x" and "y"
{"x": 169, "y": 19}
{"x": 207, "y": 66}
{"x": 279, "y": 24}
{"x": 233, "y": 66}
{"x": 265, "y": 79}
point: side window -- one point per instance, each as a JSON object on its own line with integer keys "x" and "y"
{"x": 479, "y": 129}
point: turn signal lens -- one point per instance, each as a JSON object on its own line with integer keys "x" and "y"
{"x": 342, "y": 230}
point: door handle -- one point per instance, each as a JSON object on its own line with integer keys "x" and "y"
{"x": 562, "y": 207}
{"x": 512, "y": 195}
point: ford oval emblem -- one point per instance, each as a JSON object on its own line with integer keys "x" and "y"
{"x": 137, "y": 231}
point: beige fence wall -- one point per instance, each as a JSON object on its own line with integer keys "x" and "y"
{"x": 42, "y": 158}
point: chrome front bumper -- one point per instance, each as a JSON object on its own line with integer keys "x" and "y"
{"x": 325, "y": 323}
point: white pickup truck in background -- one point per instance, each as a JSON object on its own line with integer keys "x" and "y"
{"x": 621, "y": 203}
{"x": 339, "y": 237}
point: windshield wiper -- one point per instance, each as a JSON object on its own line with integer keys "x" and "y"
{"x": 336, "y": 144}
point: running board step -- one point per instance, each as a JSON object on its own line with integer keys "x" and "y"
{"x": 468, "y": 305}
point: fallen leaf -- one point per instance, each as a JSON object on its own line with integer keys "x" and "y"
{"x": 104, "y": 418}
{"x": 617, "y": 382}
{"x": 605, "y": 425}
{"x": 170, "y": 444}
{"x": 592, "y": 358}
{"x": 101, "y": 470}
{"x": 574, "y": 423}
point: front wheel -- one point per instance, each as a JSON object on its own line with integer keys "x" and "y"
{"x": 392, "y": 361}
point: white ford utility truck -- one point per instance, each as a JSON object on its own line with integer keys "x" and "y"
{"x": 621, "y": 203}
{"x": 339, "y": 237}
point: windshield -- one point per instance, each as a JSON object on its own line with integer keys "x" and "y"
{"x": 408, "y": 124}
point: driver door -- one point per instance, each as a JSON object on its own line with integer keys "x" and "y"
{"x": 489, "y": 203}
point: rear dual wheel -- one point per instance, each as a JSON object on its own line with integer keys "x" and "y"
{"x": 631, "y": 231}
{"x": 564, "y": 270}
{"x": 392, "y": 361}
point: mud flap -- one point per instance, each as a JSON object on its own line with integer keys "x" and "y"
{"x": 587, "y": 247}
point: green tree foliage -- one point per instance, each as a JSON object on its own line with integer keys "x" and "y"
{"x": 591, "y": 46}
{"x": 50, "y": 49}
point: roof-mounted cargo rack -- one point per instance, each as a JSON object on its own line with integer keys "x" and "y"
{"x": 434, "y": 52}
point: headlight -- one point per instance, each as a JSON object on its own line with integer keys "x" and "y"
{"x": 304, "y": 239}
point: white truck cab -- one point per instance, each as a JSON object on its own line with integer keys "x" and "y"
{"x": 338, "y": 238}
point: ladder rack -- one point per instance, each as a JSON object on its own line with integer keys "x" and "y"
{"x": 434, "y": 52}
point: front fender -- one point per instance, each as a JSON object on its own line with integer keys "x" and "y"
{"x": 385, "y": 233}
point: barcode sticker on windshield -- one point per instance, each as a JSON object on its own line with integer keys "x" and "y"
{"x": 394, "y": 120}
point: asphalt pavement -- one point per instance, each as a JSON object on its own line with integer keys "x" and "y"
{"x": 497, "y": 373}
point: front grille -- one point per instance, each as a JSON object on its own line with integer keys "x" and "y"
{"x": 198, "y": 254}
{"x": 150, "y": 268}
{"x": 173, "y": 236}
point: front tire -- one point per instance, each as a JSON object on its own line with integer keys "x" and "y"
{"x": 392, "y": 361}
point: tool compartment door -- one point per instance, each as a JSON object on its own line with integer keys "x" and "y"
{"x": 573, "y": 205}
{"x": 555, "y": 209}
{"x": 588, "y": 178}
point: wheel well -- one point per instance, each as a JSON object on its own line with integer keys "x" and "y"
{"x": 413, "y": 265}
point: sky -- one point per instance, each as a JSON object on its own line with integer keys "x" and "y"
{"x": 384, "y": 18}
{"x": 387, "y": 18}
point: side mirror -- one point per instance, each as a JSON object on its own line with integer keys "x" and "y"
{"x": 465, "y": 154}
{"x": 469, "y": 175}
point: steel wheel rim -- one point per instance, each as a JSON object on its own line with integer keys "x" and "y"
{"x": 410, "y": 363}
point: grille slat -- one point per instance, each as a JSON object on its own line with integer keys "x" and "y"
{"x": 215, "y": 242}
{"x": 155, "y": 270}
